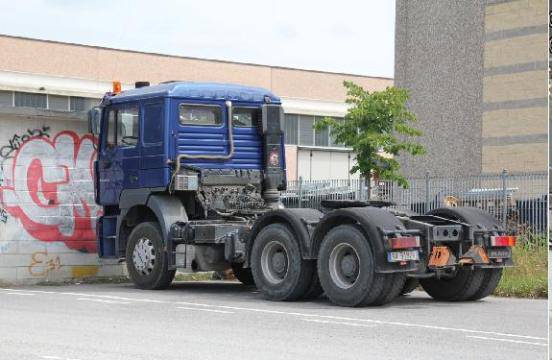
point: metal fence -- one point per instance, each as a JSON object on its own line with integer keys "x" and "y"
{"x": 519, "y": 201}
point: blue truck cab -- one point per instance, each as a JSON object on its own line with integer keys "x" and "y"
{"x": 188, "y": 176}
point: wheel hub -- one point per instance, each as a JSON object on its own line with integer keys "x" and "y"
{"x": 348, "y": 265}
{"x": 344, "y": 265}
{"x": 274, "y": 262}
{"x": 143, "y": 256}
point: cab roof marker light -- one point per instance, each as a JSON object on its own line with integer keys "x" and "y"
{"x": 117, "y": 88}
{"x": 503, "y": 241}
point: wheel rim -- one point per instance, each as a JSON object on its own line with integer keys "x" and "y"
{"x": 274, "y": 262}
{"x": 143, "y": 256}
{"x": 344, "y": 265}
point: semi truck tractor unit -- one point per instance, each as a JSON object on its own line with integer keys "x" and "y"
{"x": 189, "y": 175}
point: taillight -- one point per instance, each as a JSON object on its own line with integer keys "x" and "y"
{"x": 404, "y": 242}
{"x": 503, "y": 240}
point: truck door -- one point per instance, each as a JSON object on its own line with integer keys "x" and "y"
{"x": 119, "y": 161}
{"x": 153, "y": 162}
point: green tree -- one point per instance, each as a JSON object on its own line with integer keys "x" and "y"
{"x": 377, "y": 127}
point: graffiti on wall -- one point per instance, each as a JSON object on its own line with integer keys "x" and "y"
{"x": 47, "y": 186}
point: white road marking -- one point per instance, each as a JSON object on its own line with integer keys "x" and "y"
{"x": 339, "y": 323}
{"x": 277, "y": 312}
{"x": 19, "y": 293}
{"x": 104, "y": 301}
{"x": 209, "y": 310}
{"x": 381, "y": 322}
{"x": 51, "y": 357}
{"x": 507, "y": 340}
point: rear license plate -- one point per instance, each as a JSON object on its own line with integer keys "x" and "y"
{"x": 499, "y": 253}
{"x": 405, "y": 255}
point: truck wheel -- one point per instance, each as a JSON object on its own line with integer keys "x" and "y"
{"x": 469, "y": 284}
{"x": 410, "y": 285}
{"x": 490, "y": 282}
{"x": 463, "y": 286}
{"x": 346, "y": 268}
{"x": 147, "y": 260}
{"x": 394, "y": 284}
{"x": 243, "y": 274}
{"x": 276, "y": 264}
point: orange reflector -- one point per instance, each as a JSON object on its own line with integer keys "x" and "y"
{"x": 404, "y": 242}
{"x": 441, "y": 256}
{"x": 503, "y": 240}
{"x": 116, "y": 87}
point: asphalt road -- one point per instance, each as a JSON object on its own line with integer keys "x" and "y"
{"x": 215, "y": 320}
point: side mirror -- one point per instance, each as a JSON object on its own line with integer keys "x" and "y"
{"x": 94, "y": 120}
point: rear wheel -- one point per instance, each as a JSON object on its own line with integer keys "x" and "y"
{"x": 346, "y": 268}
{"x": 278, "y": 269}
{"x": 147, "y": 260}
{"x": 468, "y": 283}
{"x": 462, "y": 286}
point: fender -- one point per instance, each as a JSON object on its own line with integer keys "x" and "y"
{"x": 168, "y": 210}
{"x": 372, "y": 220}
{"x": 301, "y": 222}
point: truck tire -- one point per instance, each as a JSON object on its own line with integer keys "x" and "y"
{"x": 468, "y": 284}
{"x": 279, "y": 271}
{"x": 410, "y": 285}
{"x": 394, "y": 283}
{"x": 490, "y": 282}
{"x": 461, "y": 287}
{"x": 346, "y": 268}
{"x": 243, "y": 274}
{"x": 147, "y": 260}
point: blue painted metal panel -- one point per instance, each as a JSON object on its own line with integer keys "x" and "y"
{"x": 200, "y": 91}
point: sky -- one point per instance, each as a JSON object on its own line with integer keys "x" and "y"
{"x": 342, "y": 36}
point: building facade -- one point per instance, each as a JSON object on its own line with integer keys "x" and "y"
{"x": 47, "y": 209}
{"x": 477, "y": 75}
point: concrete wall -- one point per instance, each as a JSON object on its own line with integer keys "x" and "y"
{"x": 47, "y": 209}
{"x": 439, "y": 58}
{"x": 477, "y": 75}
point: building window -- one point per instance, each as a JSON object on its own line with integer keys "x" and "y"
{"x": 6, "y": 98}
{"x": 59, "y": 103}
{"x": 321, "y": 136}
{"x": 291, "y": 130}
{"x": 31, "y": 100}
{"x": 306, "y": 130}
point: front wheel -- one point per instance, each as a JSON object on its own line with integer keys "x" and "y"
{"x": 147, "y": 259}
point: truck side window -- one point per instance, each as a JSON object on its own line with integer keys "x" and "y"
{"x": 111, "y": 140}
{"x": 127, "y": 126}
{"x": 245, "y": 117}
{"x": 153, "y": 123}
{"x": 200, "y": 115}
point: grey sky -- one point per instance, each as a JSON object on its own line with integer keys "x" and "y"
{"x": 343, "y": 36}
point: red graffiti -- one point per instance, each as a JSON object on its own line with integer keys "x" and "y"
{"x": 48, "y": 187}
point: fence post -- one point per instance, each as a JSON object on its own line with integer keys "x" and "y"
{"x": 427, "y": 200}
{"x": 300, "y": 191}
{"x": 504, "y": 176}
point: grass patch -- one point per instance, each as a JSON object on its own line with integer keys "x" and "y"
{"x": 529, "y": 277}
{"x": 198, "y": 276}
